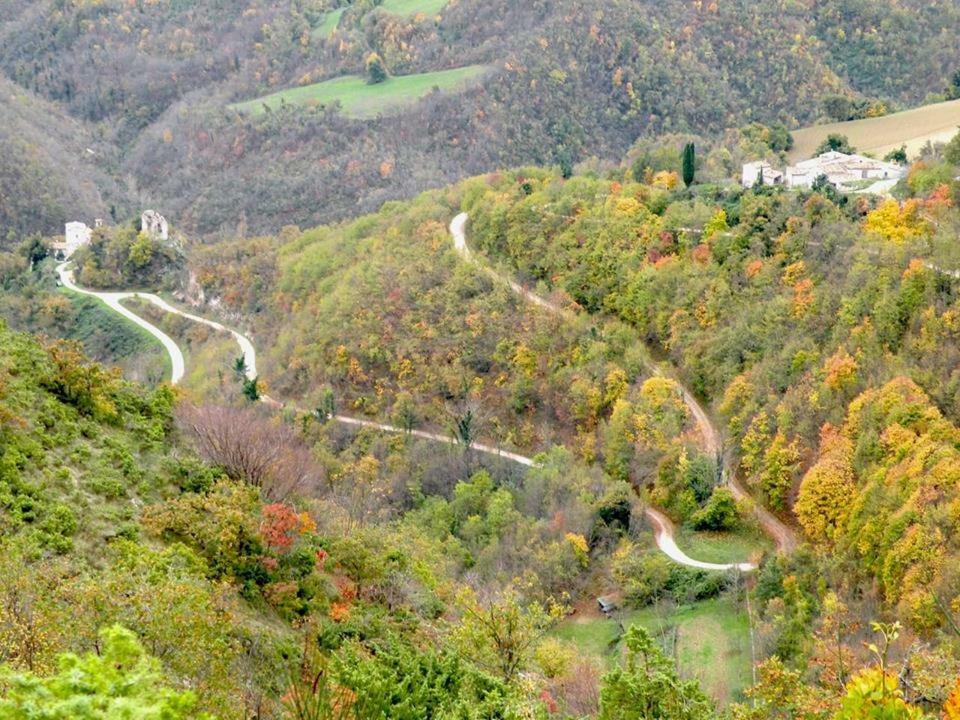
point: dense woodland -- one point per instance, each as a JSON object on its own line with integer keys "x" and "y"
{"x": 819, "y": 325}
{"x": 152, "y": 83}
{"x": 232, "y": 548}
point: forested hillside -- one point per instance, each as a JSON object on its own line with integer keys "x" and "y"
{"x": 284, "y": 541}
{"x": 271, "y": 566}
{"x": 567, "y": 81}
{"x": 812, "y": 321}
{"x": 52, "y": 168}
{"x": 384, "y": 429}
{"x": 821, "y": 327}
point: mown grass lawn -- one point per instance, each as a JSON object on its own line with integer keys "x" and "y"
{"x": 361, "y": 100}
{"x": 328, "y": 24}
{"x": 723, "y": 547}
{"x": 412, "y": 7}
{"x": 710, "y": 641}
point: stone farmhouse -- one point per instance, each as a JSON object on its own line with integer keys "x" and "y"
{"x": 839, "y": 169}
{"x": 763, "y": 171}
{"x": 75, "y": 236}
{"x": 154, "y": 224}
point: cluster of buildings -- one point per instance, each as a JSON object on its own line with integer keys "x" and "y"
{"x": 78, "y": 234}
{"x": 839, "y": 168}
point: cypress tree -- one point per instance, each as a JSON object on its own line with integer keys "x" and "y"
{"x": 689, "y": 159}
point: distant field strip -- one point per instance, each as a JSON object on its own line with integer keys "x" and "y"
{"x": 413, "y": 7}
{"x": 878, "y": 136}
{"x": 362, "y": 100}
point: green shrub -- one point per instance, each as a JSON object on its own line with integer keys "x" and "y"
{"x": 720, "y": 512}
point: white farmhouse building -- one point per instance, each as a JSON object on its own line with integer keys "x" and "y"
{"x": 839, "y": 168}
{"x": 75, "y": 236}
{"x": 754, "y": 171}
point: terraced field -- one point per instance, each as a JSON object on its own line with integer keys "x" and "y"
{"x": 878, "y": 136}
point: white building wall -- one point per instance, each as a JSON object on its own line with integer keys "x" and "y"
{"x": 76, "y": 235}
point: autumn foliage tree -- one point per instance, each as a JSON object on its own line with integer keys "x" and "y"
{"x": 823, "y": 503}
{"x": 500, "y": 632}
{"x": 253, "y": 448}
{"x": 897, "y": 223}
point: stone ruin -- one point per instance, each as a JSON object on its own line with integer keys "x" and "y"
{"x": 154, "y": 224}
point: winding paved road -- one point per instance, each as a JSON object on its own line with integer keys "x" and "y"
{"x": 663, "y": 527}
{"x": 112, "y": 301}
{"x": 782, "y": 535}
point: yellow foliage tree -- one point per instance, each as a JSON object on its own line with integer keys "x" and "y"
{"x": 841, "y": 370}
{"x": 896, "y": 223}
{"x": 823, "y": 503}
{"x": 951, "y": 708}
{"x": 665, "y": 179}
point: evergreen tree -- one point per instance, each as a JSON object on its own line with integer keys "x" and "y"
{"x": 899, "y": 155}
{"x": 251, "y": 389}
{"x": 122, "y": 681}
{"x": 689, "y": 164}
{"x": 240, "y": 366}
{"x": 835, "y": 142}
{"x": 376, "y": 70}
{"x": 328, "y": 406}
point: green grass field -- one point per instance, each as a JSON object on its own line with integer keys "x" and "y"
{"x": 878, "y": 136}
{"x": 710, "y": 641}
{"x": 403, "y": 8}
{"x": 360, "y": 100}
{"x": 738, "y": 546}
{"x": 413, "y": 7}
{"x": 328, "y": 24}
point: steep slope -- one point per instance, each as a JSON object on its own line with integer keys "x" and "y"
{"x": 571, "y": 80}
{"x": 52, "y": 167}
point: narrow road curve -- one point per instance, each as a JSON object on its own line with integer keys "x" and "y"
{"x": 112, "y": 301}
{"x": 782, "y": 535}
{"x": 460, "y": 243}
{"x": 664, "y": 535}
{"x": 664, "y": 531}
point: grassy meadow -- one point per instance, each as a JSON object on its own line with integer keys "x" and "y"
{"x": 722, "y": 547}
{"x": 362, "y": 100}
{"x": 413, "y": 7}
{"x": 710, "y": 640}
{"x": 878, "y": 136}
